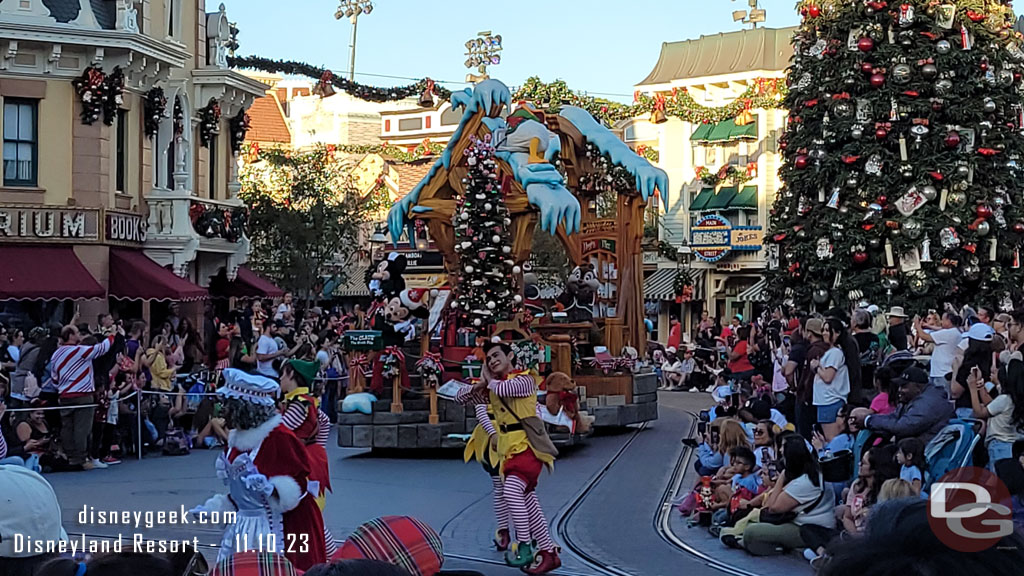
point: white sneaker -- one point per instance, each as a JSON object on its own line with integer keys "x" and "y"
{"x": 97, "y": 464}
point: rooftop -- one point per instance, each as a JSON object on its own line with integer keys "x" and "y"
{"x": 267, "y": 122}
{"x": 721, "y": 54}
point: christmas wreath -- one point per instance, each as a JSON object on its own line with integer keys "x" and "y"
{"x": 209, "y": 123}
{"x": 239, "y": 128}
{"x": 430, "y": 370}
{"x": 728, "y": 173}
{"x": 91, "y": 87}
{"x": 154, "y": 108}
{"x": 115, "y": 95}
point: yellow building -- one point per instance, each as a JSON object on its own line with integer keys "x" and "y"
{"x": 720, "y": 226}
{"x": 90, "y": 189}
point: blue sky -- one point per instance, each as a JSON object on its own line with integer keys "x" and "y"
{"x": 601, "y": 46}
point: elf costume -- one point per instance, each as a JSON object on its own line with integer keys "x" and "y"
{"x": 520, "y": 463}
{"x": 479, "y": 448}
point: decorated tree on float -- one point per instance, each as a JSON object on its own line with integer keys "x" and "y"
{"x": 902, "y": 181}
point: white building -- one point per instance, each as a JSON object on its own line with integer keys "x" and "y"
{"x": 722, "y": 225}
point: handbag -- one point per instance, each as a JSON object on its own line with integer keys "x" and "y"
{"x": 536, "y": 432}
{"x": 31, "y": 389}
{"x": 777, "y": 518}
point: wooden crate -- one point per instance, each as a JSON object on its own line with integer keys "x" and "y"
{"x": 601, "y": 385}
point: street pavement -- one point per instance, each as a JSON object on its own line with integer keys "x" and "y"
{"x": 605, "y": 495}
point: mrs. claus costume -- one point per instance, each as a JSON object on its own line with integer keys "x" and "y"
{"x": 266, "y": 471}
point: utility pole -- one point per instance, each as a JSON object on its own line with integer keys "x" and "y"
{"x": 752, "y": 17}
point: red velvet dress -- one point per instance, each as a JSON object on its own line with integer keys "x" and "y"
{"x": 283, "y": 456}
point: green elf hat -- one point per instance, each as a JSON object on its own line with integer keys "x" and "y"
{"x": 308, "y": 370}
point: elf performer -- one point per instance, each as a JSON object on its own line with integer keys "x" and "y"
{"x": 301, "y": 413}
{"x": 266, "y": 469}
{"x": 483, "y": 446}
{"x": 512, "y": 397}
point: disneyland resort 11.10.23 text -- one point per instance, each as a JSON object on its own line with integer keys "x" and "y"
{"x": 131, "y": 519}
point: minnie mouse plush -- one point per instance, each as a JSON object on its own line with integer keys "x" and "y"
{"x": 396, "y": 319}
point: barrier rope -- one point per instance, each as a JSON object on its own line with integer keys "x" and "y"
{"x": 10, "y": 410}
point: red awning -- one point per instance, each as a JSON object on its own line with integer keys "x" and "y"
{"x": 45, "y": 273}
{"x": 133, "y": 276}
{"x": 247, "y": 284}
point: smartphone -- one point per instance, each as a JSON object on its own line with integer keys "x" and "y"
{"x": 702, "y": 428}
{"x": 817, "y": 428}
{"x": 690, "y": 442}
{"x": 715, "y": 436}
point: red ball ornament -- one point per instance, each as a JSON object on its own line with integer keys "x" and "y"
{"x": 867, "y": 67}
{"x": 800, "y": 162}
{"x": 883, "y": 200}
{"x": 952, "y": 140}
{"x": 983, "y": 211}
{"x": 877, "y": 80}
{"x": 866, "y": 44}
{"x": 1019, "y": 227}
{"x": 860, "y": 258}
{"x": 937, "y": 105}
{"x": 813, "y": 11}
{"x": 881, "y": 133}
{"x": 984, "y": 65}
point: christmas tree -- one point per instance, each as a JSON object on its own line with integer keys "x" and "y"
{"x": 902, "y": 181}
{"x": 486, "y": 293}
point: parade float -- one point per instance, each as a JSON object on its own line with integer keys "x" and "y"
{"x": 506, "y": 171}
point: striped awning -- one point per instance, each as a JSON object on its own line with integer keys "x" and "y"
{"x": 660, "y": 285}
{"x": 755, "y": 293}
{"x": 355, "y": 283}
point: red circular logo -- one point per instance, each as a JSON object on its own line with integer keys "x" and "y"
{"x": 970, "y": 510}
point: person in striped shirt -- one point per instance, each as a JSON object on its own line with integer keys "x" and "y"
{"x": 512, "y": 397}
{"x": 71, "y": 370}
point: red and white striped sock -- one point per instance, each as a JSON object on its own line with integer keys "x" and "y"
{"x": 332, "y": 545}
{"x": 538, "y": 523}
{"x": 500, "y": 506}
{"x": 515, "y": 497}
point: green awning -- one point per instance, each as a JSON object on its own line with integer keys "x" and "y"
{"x": 721, "y": 200}
{"x": 747, "y": 198}
{"x": 700, "y": 201}
{"x": 724, "y": 131}
{"x": 701, "y": 133}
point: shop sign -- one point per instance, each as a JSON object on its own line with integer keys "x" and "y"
{"x": 652, "y": 258}
{"x": 49, "y": 224}
{"x": 423, "y": 259}
{"x": 126, "y": 228}
{"x": 607, "y": 228}
{"x": 364, "y": 340}
{"x": 713, "y": 237}
{"x": 603, "y": 244}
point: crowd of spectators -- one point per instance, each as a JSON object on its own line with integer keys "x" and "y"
{"x": 800, "y": 398}
{"x": 71, "y": 395}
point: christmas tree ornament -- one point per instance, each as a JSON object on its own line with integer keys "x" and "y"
{"x": 889, "y": 257}
{"x": 906, "y": 15}
{"x": 800, "y": 162}
{"x": 929, "y": 71}
{"x": 901, "y": 73}
{"x": 952, "y": 139}
{"x": 983, "y": 228}
{"x": 917, "y": 284}
{"x": 1016, "y": 259}
{"x": 926, "y": 250}
{"x": 857, "y": 133}
{"x": 929, "y": 192}
{"x": 867, "y": 67}
{"x": 813, "y": 11}
{"x": 989, "y": 105}
{"x": 820, "y": 296}
{"x": 877, "y": 80}
{"x": 993, "y": 249}
{"x": 948, "y": 238}
{"x": 943, "y": 86}
{"x": 516, "y": 270}
{"x": 1019, "y": 227}
{"x": 943, "y": 47}
{"x": 966, "y": 40}
{"x": 866, "y": 44}
{"x": 943, "y": 271}
{"x": 881, "y": 133}
{"x": 910, "y": 202}
{"x": 983, "y": 211}
{"x": 912, "y": 228}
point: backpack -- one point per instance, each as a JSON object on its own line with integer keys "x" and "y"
{"x": 950, "y": 449}
{"x": 176, "y": 442}
{"x": 195, "y": 396}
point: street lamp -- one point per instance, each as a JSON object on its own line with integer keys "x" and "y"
{"x": 351, "y": 9}
{"x": 481, "y": 52}
{"x": 378, "y": 240}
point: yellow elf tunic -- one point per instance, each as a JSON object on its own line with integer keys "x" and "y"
{"x": 478, "y": 446}
{"x": 513, "y": 442}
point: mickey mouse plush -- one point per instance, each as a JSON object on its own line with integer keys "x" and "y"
{"x": 386, "y": 280}
{"x": 396, "y": 319}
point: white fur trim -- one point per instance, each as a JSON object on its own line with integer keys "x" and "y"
{"x": 246, "y": 440}
{"x": 409, "y": 302}
{"x": 219, "y": 503}
{"x": 288, "y": 493}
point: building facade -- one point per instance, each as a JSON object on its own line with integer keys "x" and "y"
{"x": 97, "y": 163}
{"x": 717, "y": 223}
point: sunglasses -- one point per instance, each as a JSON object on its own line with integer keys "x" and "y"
{"x": 759, "y": 432}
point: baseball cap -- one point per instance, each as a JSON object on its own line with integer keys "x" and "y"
{"x": 30, "y": 509}
{"x": 912, "y": 374}
{"x": 981, "y": 332}
{"x": 759, "y": 409}
{"x": 814, "y": 326}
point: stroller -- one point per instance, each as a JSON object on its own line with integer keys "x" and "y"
{"x": 952, "y": 448}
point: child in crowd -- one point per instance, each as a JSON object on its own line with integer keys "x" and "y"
{"x": 672, "y": 371}
{"x": 741, "y": 489}
{"x": 895, "y": 489}
{"x": 910, "y": 455}
{"x": 688, "y": 366}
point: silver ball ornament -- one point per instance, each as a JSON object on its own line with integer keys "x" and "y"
{"x": 516, "y": 270}
{"x": 943, "y": 46}
{"x": 929, "y": 193}
{"x": 984, "y": 228}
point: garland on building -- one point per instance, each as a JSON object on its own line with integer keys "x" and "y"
{"x": 179, "y": 118}
{"x": 209, "y": 122}
{"x": 323, "y": 75}
{"x": 378, "y": 199}
{"x": 648, "y": 152}
{"x": 728, "y": 173}
{"x": 766, "y": 93}
{"x": 239, "y": 126}
{"x": 422, "y": 150}
{"x": 154, "y": 108}
{"x": 100, "y": 94}
{"x": 217, "y": 222}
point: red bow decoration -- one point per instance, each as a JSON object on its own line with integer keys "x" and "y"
{"x": 359, "y": 362}
{"x": 195, "y": 211}
{"x": 850, "y": 159}
{"x": 811, "y": 103}
{"x": 930, "y": 35}
{"x": 430, "y": 86}
{"x": 659, "y": 102}
{"x": 937, "y": 176}
{"x": 841, "y": 96}
{"x": 972, "y": 247}
{"x": 975, "y": 16}
{"x": 988, "y": 151}
{"x": 911, "y": 93}
{"x": 327, "y": 77}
